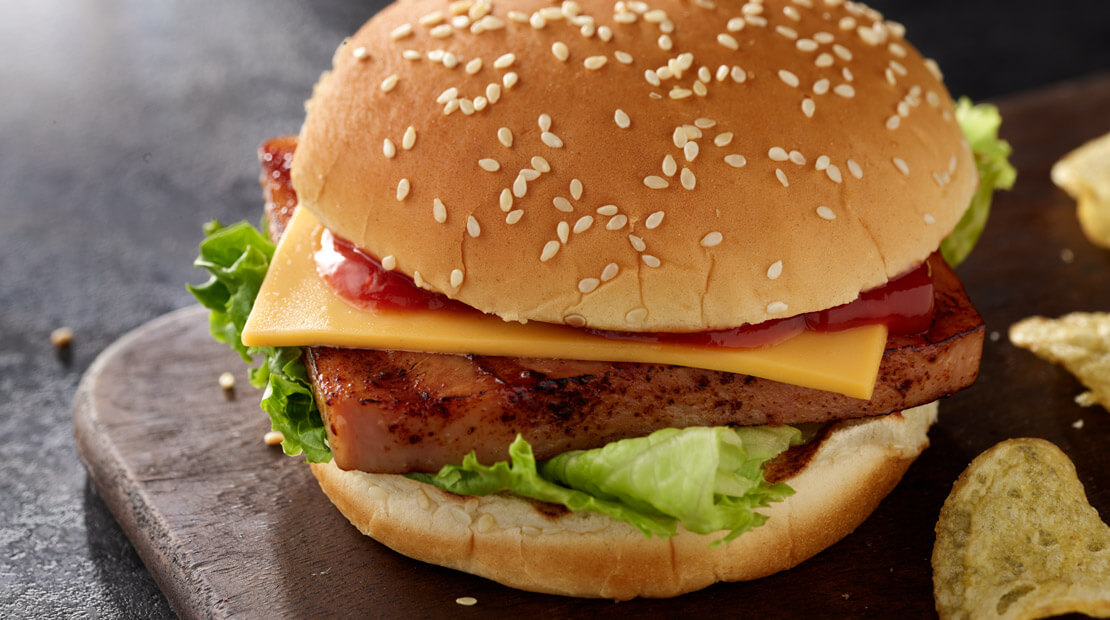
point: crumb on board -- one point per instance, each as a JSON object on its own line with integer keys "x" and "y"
{"x": 61, "y": 337}
{"x": 1078, "y": 424}
{"x": 1067, "y": 256}
{"x": 466, "y": 601}
{"x": 273, "y": 438}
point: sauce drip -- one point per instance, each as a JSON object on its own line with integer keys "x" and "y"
{"x": 904, "y": 304}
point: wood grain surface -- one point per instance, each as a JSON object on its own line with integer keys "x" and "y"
{"x": 230, "y": 527}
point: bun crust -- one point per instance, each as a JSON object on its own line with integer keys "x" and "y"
{"x": 508, "y": 540}
{"x": 853, "y": 167}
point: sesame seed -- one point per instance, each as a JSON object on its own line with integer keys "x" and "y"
{"x": 787, "y": 32}
{"x": 776, "y": 307}
{"x": 594, "y": 63}
{"x": 847, "y": 73}
{"x": 735, "y": 160}
{"x": 821, "y": 163}
{"x": 505, "y": 136}
{"x": 855, "y": 169}
{"x": 403, "y": 189}
{"x": 472, "y": 227}
{"x": 514, "y": 216}
{"x": 637, "y": 243}
{"x": 607, "y": 210}
{"x": 826, "y": 213}
{"x": 551, "y": 140}
{"x": 456, "y": 278}
{"x": 389, "y": 262}
{"x": 436, "y": 55}
{"x": 583, "y": 224}
{"x": 893, "y": 122}
{"x": 540, "y": 164}
{"x": 679, "y": 137}
{"x": 273, "y": 438}
{"x": 843, "y": 52}
{"x": 467, "y": 106}
{"x": 504, "y": 61}
{"x": 417, "y": 279}
{"x": 821, "y": 86}
{"x": 664, "y": 42}
{"x": 934, "y": 68}
{"x": 60, "y": 340}
{"x": 736, "y": 24}
{"x": 952, "y": 163}
{"x": 537, "y": 21}
{"x": 605, "y": 33}
{"x": 550, "y": 249}
{"x": 898, "y": 67}
{"x": 520, "y": 187}
{"x": 509, "y": 80}
{"x": 652, "y": 77}
{"x": 625, "y": 17}
{"x": 781, "y": 177}
{"x": 690, "y": 150}
{"x": 728, "y": 41}
{"x": 929, "y": 219}
{"x": 588, "y": 285}
{"x": 897, "y": 50}
{"x": 621, "y": 118}
{"x": 448, "y": 95}
{"x": 560, "y": 50}
{"x": 775, "y": 270}
{"x": 834, "y": 174}
{"x": 574, "y": 320}
{"x": 751, "y": 8}
{"x": 450, "y": 60}
{"x": 806, "y": 45}
{"x": 705, "y": 75}
{"x": 808, "y": 107}
{"x": 390, "y": 82}
{"x": 932, "y": 98}
{"x": 409, "y": 139}
{"x": 655, "y": 182}
{"x": 576, "y": 189}
{"x": 411, "y": 55}
{"x": 611, "y": 270}
{"x": 680, "y": 93}
{"x": 824, "y": 59}
{"x": 616, "y": 222}
{"x": 939, "y": 178}
{"x": 903, "y": 109}
{"x": 562, "y": 230}
{"x": 688, "y": 179}
{"x": 623, "y": 57}
{"x": 474, "y": 66}
{"x": 655, "y": 16}
{"x": 654, "y": 220}
{"x": 489, "y": 164}
{"x": 824, "y": 38}
{"x": 791, "y": 12}
{"x": 544, "y": 122}
{"x": 722, "y": 73}
{"x": 401, "y": 31}
{"x": 388, "y": 148}
{"x": 506, "y": 200}
{"x": 847, "y": 23}
{"x": 441, "y": 31}
{"x": 650, "y": 260}
{"x": 552, "y": 13}
{"x": 360, "y": 53}
{"x": 788, "y": 78}
{"x": 529, "y": 174}
{"x": 778, "y": 153}
{"x": 901, "y": 165}
{"x": 797, "y": 157}
{"x": 439, "y": 211}
{"x": 669, "y": 165}
{"x": 845, "y": 90}
{"x": 723, "y": 139}
{"x": 493, "y": 92}
{"x": 712, "y": 239}
{"x": 562, "y": 204}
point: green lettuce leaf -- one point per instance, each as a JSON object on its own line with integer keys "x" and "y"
{"x": 237, "y": 258}
{"x": 980, "y": 125}
{"x": 706, "y": 479}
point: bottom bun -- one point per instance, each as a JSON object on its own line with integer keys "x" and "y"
{"x": 524, "y": 545}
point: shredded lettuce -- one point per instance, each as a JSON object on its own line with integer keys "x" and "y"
{"x": 237, "y": 258}
{"x": 980, "y": 125}
{"x": 707, "y": 479}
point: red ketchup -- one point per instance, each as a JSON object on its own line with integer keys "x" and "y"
{"x": 904, "y": 304}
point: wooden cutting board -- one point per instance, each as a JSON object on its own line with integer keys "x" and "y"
{"x": 230, "y": 527}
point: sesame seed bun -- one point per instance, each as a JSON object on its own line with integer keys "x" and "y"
{"x": 539, "y": 163}
{"x": 507, "y": 539}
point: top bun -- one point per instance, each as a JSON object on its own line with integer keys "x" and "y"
{"x": 686, "y": 166}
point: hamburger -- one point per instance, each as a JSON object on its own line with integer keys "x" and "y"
{"x": 612, "y": 300}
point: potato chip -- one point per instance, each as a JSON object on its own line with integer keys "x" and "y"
{"x": 1085, "y": 174}
{"x": 1079, "y": 341}
{"x": 1016, "y": 538}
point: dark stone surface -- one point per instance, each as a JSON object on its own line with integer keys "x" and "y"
{"x": 124, "y": 125}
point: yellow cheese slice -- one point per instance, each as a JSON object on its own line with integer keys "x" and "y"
{"x": 295, "y": 307}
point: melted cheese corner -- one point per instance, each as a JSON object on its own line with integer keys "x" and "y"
{"x": 295, "y": 307}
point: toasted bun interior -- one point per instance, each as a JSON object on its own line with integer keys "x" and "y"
{"x": 688, "y": 166}
{"x": 507, "y": 539}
